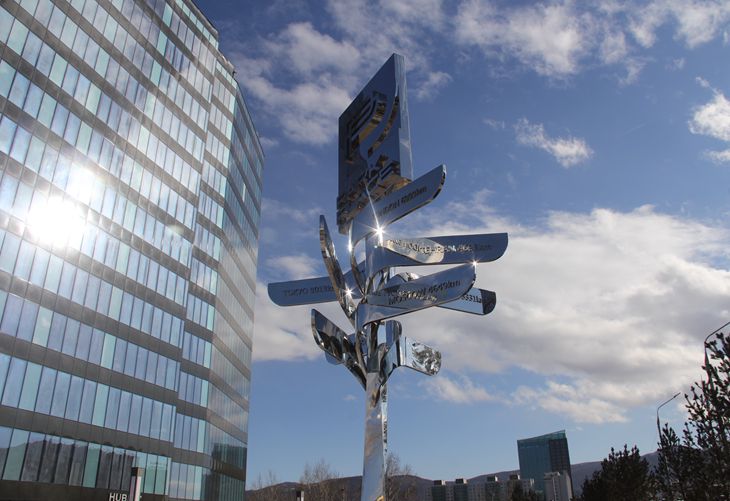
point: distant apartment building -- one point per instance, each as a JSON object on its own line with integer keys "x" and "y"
{"x": 558, "y": 486}
{"x": 544, "y": 454}
{"x": 439, "y": 492}
{"x": 489, "y": 489}
{"x": 130, "y": 192}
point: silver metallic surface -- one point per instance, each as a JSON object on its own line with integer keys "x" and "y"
{"x": 376, "y": 439}
{"x": 457, "y": 249}
{"x": 374, "y": 142}
{"x": 417, "y": 294}
{"x": 476, "y": 301}
{"x": 380, "y": 213}
{"x": 375, "y": 191}
{"x": 310, "y": 290}
{"x": 337, "y": 278}
{"x": 337, "y": 345}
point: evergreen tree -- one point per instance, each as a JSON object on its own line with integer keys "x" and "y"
{"x": 697, "y": 467}
{"x": 624, "y": 476}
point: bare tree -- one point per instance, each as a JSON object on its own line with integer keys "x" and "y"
{"x": 319, "y": 482}
{"x": 266, "y": 489}
{"x": 399, "y": 482}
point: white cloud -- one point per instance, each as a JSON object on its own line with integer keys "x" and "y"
{"x": 435, "y": 81}
{"x": 568, "y": 151}
{"x": 558, "y": 39}
{"x": 719, "y": 157}
{"x": 609, "y": 307}
{"x": 696, "y": 22}
{"x": 286, "y": 333}
{"x": 612, "y": 305}
{"x": 274, "y": 209}
{"x": 294, "y": 267}
{"x": 463, "y": 391}
{"x": 494, "y": 124}
{"x": 268, "y": 143}
{"x": 569, "y": 401}
{"x": 713, "y": 119}
{"x": 550, "y": 39}
{"x": 308, "y": 51}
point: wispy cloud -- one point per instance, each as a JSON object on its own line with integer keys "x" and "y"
{"x": 570, "y": 401}
{"x": 302, "y": 74}
{"x": 435, "y": 81}
{"x": 294, "y": 267}
{"x": 458, "y": 391}
{"x": 494, "y": 124}
{"x": 549, "y": 38}
{"x": 568, "y": 151}
{"x": 696, "y": 22}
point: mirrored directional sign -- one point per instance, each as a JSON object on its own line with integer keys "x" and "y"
{"x": 407, "y": 353}
{"x": 310, "y": 290}
{"x": 457, "y": 249}
{"x": 397, "y": 204}
{"x": 337, "y": 278}
{"x": 424, "y": 292}
{"x": 477, "y": 301}
{"x": 337, "y": 345}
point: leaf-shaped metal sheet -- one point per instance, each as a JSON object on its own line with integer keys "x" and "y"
{"x": 477, "y": 302}
{"x": 458, "y": 249}
{"x": 310, "y": 290}
{"x": 415, "y": 295}
{"x": 336, "y": 344}
{"x": 337, "y": 278}
{"x": 397, "y": 204}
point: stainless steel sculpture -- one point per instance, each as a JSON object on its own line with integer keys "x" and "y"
{"x": 376, "y": 191}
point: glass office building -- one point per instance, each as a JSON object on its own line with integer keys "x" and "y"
{"x": 130, "y": 190}
{"x": 544, "y": 454}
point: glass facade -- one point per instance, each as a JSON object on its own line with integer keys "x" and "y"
{"x": 130, "y": 196}
{"x": 544, "y": 454}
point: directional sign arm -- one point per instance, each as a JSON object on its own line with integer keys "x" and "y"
{"x": 458, "y": 249}
{"x": 337, "y": 345}
{"x": 424, "y": 292}
{"x": 337, "y": 278}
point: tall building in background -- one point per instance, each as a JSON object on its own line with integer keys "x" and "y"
{"x": 130, "y": 189}
{"x": 544, "y": 454}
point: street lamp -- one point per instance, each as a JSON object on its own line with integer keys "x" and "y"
{"x": 704, "y": 345}
{"x": 658, "y": 425}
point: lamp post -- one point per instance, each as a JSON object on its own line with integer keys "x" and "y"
{"x": 658, "y": 425}
{"x": 704, "y": 346}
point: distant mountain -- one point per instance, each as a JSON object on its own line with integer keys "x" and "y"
{"x": 350, "y": 486}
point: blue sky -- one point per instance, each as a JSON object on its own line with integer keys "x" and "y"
{"x": 597, "y": 134}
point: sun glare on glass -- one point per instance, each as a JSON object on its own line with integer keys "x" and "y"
{"x": 57, "y": 221}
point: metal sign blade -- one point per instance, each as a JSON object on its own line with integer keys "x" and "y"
{"x": 424, "y": 292}
{"x": 419, "y": 357}
{"x": 397, "y": 204}
{"x": 336, "y": 344}
{"x": 337, "y": 278}
{"x": 309, "y": 290}
{"x": 480, "y": 248}
{"x": 405, "y": 352}
{"x": 477, "y": 302}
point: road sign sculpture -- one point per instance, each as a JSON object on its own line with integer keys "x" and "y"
{"x": 376, "y": 190}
